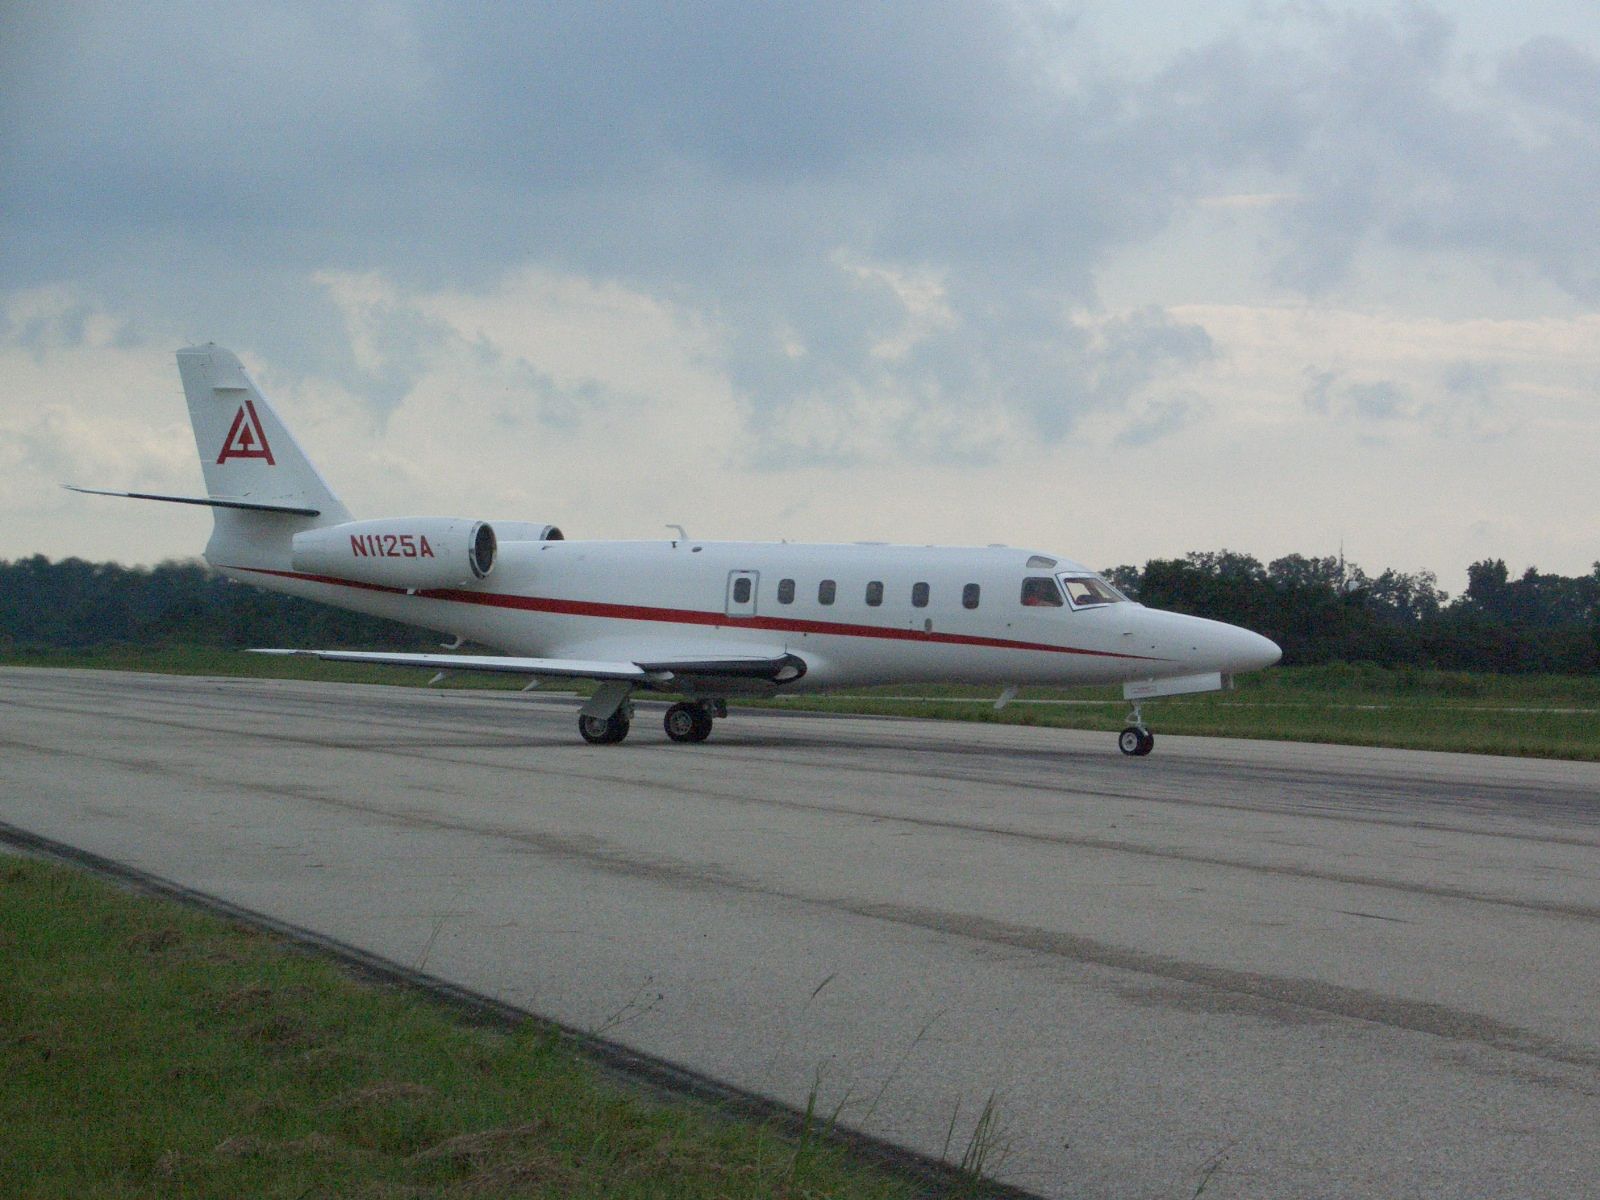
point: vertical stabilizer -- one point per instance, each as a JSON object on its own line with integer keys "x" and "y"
{"x": 247, "y": 453}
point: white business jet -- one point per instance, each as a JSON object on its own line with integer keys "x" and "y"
{"x": 699, "y": 620}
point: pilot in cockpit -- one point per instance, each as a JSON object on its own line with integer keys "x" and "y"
{"x": 1040, "y": 591}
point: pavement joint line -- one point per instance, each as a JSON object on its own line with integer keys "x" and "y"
{"x": 936, "y": 1178}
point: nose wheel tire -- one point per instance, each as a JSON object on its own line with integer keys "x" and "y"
{"x": 604, "y": 731}
{"x": 1136, "y": 742}
{"x": 687, "y": 723}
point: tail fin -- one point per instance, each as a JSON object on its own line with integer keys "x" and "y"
{"x": 248, "y": 454}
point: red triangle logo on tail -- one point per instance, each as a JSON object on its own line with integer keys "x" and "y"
{"x": 246, "y": 438}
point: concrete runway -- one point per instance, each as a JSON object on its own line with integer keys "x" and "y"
{"x": 1316, "y": 971}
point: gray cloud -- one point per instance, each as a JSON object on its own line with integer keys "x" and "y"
{"x": 1318, "y": 396}
{"x": 42, "y": 331}
{"x": 1408, "y": 151}
{"x": 1555, "y": 75}
{"x": 1329, "y": 394}
{"x": 1472, "y": 384}
{"x": 1379, "y": 401}
{"x": 196, "y": 167}
{"x": 1160, "y": 419}
{"x": 1463, "y": 402}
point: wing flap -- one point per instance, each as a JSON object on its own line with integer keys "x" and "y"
{"x": 783, "y": 668}
{"x": 729, "y": 666}
{"x": 555, "y": 668}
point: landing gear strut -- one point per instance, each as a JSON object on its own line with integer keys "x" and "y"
{"x": 689, "y": 722}
{"x": 1136, "y": 741}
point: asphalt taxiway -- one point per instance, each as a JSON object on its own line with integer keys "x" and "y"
{"x": 1287, "y": 970}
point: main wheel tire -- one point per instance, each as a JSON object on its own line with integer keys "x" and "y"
{"x": 681, "y": 722}
{"x": 1146, "y": 744}
{"x": 1131, "y": 741}
{"x": 687, "y": 723}
{"x": 603, "y": 731}
{"x": 702, "y": 724}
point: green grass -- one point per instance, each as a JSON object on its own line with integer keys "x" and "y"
{"x": 1545, "y": 716}
{"x": 1356, "y": 705}
{"x": 149, "y": 1050}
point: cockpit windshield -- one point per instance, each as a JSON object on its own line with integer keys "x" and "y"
{"x": 1087, "y": 591}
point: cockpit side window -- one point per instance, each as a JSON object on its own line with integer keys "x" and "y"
{"x": 1090, "y": 591}
{"x": 1040, "y": 591}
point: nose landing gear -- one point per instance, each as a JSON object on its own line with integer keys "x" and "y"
{"x": 1136, "y": 741}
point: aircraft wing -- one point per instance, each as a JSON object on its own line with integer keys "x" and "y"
{"x": 780, "y": 667}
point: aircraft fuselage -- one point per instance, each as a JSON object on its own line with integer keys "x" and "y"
{"x": 857, "y": 614}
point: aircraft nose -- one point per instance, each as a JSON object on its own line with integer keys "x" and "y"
{"x": 1202, "y": 644}
{"x": 1252, "y": 652}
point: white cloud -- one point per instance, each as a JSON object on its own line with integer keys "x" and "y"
{"x": 77, "y": 408}
{"x": 610, "y": 412}
{"x": 1430, "y": 432}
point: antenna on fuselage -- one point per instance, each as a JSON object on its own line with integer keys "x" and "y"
{"x": 682, "y": 536}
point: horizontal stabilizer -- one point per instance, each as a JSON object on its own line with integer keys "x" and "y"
{"x": 207, "y": 501}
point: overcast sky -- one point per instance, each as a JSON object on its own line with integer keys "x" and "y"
{"x": 1114, "y": 280}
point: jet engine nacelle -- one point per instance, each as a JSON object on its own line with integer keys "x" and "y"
{"x": 403, "y": 552}
{"x": 522, "y": 531}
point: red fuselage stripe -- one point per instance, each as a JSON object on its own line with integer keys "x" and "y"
{"x": 685, "y": 616}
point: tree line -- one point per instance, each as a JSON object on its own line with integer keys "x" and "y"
{"x": 73, "y": 604}
{"x": 1320, "y": 610}
{"x": 1323, "y": 610}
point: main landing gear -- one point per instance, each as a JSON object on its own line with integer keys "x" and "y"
{"x": 688, "y": 721}
{"x": 1136, "y": 741}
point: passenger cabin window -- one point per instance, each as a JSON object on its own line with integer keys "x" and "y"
{"x": 785, "y": 591}
{"x": 825, "y": 591}
{"x": 875, "y": 593}
{"x": 1040, "y": 591}
{"x": 1089, "y": 591}
{"x": 969, "y": 596}
{"x": 919, "y": 595}
{"x": 741, "y": 591}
